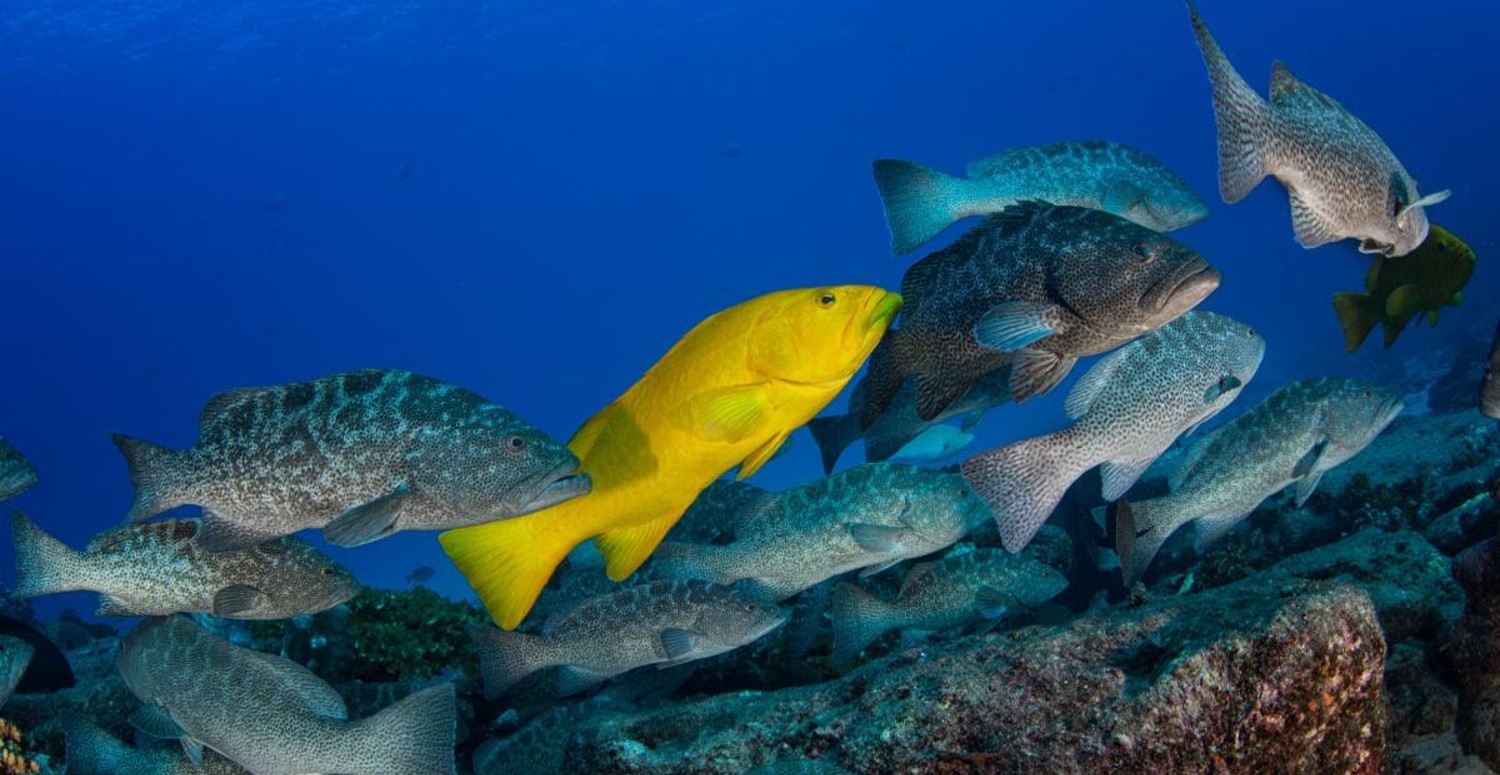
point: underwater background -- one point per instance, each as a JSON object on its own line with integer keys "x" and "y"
{"x": 533, "y": 200}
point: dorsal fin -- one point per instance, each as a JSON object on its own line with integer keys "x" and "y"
{"x": 1286, "y": 87}
{"x": 168, "y": 530}
{"x": 220, "y": 404}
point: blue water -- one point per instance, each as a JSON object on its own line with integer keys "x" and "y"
{"x": 535, "y": 199}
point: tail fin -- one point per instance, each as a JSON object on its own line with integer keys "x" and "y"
{"x": 1024, "y": 481}
{"x": 509, "y": 561}
{"x": 413, "y": 737}
{"x": 507, "y": 657}
{"x": 1356, "y": 316}
{"x": 833, "y": 434}
{"x": 919, "y": 202}
{"x": 1140, "y": 530}
{"x": 858, "y": 619}
{"x": 1243, "y": 119}
{"x": 92, "y": 751}
{"x": 158, "y": 475}
{"x": 44, "y": 565}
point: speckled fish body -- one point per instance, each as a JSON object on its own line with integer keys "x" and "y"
{"x": 16, "y": 472}
{"x": 1489, "y": 398}
{"x": 92, "y": 751}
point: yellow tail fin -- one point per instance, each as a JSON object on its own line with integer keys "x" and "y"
{"x": 509, "y": 562}
{"x": 627, "y": 549}
{"x": 1356, "y": 317}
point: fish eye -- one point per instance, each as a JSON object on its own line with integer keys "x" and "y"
{"x": 327, "y": 571}
{"x": 1144, "y": 254}
{"x": 827, "y": 299}
{"x": 516, "y": 443}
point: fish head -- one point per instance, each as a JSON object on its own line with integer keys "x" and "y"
{"x": 1127, "y": 280}
{"x": 738, "y": 618}
{"x": 941, "y": 510}
{"x": 1405, "y": 226}
{"x": 500, "y": 469}
{"x": 154, "y": 649}
{"x": 308, "y": 582}
{"x": 818, "y": 335}
{"x": 1235, "y": 355}
{"x": 1352, "y": 414}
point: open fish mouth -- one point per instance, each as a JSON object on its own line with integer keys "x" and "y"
{"x": 1183, "y": 289}
{"x": 1387, "y": 415}
{"x": 885, "y": 309}
{"x": 562, "y": 483}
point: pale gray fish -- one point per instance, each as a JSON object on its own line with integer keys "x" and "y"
{"x": 16, "y": 472}
{"x": 271, "y": 715}
{"x": 159, "y": 568}
{"x": 15, "y": 657}
{"x": 936, "y": 443}
{"x": 93, "y": 751}
{"x": 1099, "y": 174}
{"x": 965, "y": 588}
{"x": 865, "y": 518}
{"x": 360, "y": 454}
{"x": 899, "y": 423}
{"x": 1489, "y": 399}
{"x": 663, "y": 623}
{"x": 1033, "y": 289}
{"x": 1292, "y": 438}
{"x": 1343, "y": 180}
{"x": 1129, "y": 408}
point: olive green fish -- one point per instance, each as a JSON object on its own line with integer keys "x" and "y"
{"x": 1397, "y": 290}
{"x": 361, "y": 454}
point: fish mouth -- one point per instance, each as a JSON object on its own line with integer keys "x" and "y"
{"x": 562, "y": 483}
{"x": 1387, "y": 414}
{"x": 885, "y": 309}
{"x": 1184, "y": 288}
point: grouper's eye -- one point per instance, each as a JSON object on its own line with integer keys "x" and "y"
{"x": 1144, "y": 254}
{"x": 827, "y": 300}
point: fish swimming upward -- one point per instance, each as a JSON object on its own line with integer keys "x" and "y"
{"x": 272, "y": 716}
{"x": 920, "y": 202}
{"x": 1293, "y": 437}
{"x": 361, "y": 454}
{"x": 1489, "y": 398}
{"x": 1342, "y": 179}
{"x": 1130, "y": 407}
{"x": 16, "y": 472}
{"x": 728, "y": 393}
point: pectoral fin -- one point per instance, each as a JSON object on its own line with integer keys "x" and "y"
{"x": 368, "y": 521}
{"x": 194, "y": 751}
{"x": 1122, "y": 197}
{"x": 992, "y": 603}
{"x": 1403, "y": 302}
{"x": 880, "y": 539}
{"x": 237, "y": 600}
{"x": 153, "y": 721}
{"x": 728, "y": 414}
{"x": 627, "y": 549}
{"x": 1037, "y": 371}
{"x": 1014, "y": 325}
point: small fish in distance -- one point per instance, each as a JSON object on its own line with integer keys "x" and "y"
{"x": 360, "y": 454}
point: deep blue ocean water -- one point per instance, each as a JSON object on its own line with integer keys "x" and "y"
{"x": 535, "y": 199}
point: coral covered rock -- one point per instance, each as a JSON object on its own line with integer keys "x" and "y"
{"x": 1474, "y": 651}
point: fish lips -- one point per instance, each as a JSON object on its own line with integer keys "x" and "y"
{"x": 562, "y": 483}
{"x": 885, "y": 309}
{"x": 1183, "y": 289}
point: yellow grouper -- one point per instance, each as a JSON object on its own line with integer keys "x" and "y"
{"x": 728, "y": 393}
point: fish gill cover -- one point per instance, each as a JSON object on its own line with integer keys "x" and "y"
{"x": 221, "y": 222}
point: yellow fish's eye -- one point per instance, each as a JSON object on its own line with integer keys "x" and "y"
{"x": 827, "y": 300}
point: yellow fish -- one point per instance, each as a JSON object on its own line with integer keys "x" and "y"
{"x": 728, "y": 393}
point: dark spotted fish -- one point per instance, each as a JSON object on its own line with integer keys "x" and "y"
{"x": 361, "y": 454}
{"x": 272, "y": 716}
{"x": 1033, "y": 288}
{"x": 16, "y": 472}
{"x": 920, "y": 202}
{"x": 1343, "y": 180}
{"x": 1292, "y": 438}
{"x": 159, "y": 568}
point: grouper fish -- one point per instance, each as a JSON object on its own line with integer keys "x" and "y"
{"x": 1489, "y": 396}
{"x": 93, "y": 751}
{"x": 1129, "y": 408}
{"x": 1292, "y": 438}
{"x": 1343, "y": 180}
{"x": 361, "y": 454}
{"x": 272, "y": 716}
{"x": 16, "y": 472}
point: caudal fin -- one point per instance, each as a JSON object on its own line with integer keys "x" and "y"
{"x": 44, "y": 565}
{"x": 1023, "y": 482}
{"x": 833, "y": 434}
{"x": 509, "y": 561}
{"x": 507, "y": 657}
{"x": 1243, "y": 119}
{"x": 1356, "y": 316}
{"x": 1140, "y": 530}
{"x": 919, "y": 202}
{"x": 92, "y": 751}
{"x": 858, "y": 619}
{"x": 413, "y": 737}
{"x": 158, "y": 474}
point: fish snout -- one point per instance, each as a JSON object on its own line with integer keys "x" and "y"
{"x": 1184, "y": 288}
{"x": 887, "y": 304}
{"x": 560, "y": 483}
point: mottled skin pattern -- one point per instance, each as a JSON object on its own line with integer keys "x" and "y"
{"x": 1489, "y": 399}
{"x": 1129, "y": 409}
{"x": 539, "y": 748}
{"x": 273, "y": 461}
{"x": 1317, "y": 423}
{"x": 900, "y": 422}
{"x": 1338, "y": 172}
{"x": 273, "y": 716}
{"x": 1088, "y": 173}
{"x": 16, "y": 473}
{"x": 92, "y": 751}
{"x": 15, "y": 656}
{"x": 1105, "y": 281}
{"x": 941, "y": 595}
{"x": 158, "y": 568}
{"x": 609, "y": 635}
{"x": 798, "y": 538}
